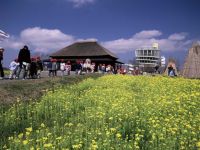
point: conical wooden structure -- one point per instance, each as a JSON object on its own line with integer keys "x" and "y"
{"x": 171, "y": 62}
{"x": 192, "y": 62}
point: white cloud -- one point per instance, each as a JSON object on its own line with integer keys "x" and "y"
{"x": 146, "y": 34}
{"x": 175, "y": 42}
{"x": 39, "y": 40}
{"x": 45, "y": 39}
{"x": 79, "y": 3}
{"x": 178, "y": 36}
{"x": 50, "y": 40}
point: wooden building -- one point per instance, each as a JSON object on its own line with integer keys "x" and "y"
{"x": 86, "y": 50}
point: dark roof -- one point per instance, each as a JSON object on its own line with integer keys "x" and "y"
{"x": 84, "y": 49}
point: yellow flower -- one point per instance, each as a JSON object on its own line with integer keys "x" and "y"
{"x": 32, "y": 148}
{"x": 49, "y": 134}
{"x": 70, "y": 124}
{"x": 20, "y": 135}
{"x": 198, "y": 144}
{"x": 112, "y": 129}
{"x": 44, "y": 139}
{"x": 48, "y": 145}
{"x": 77, "y": 146}
{"x": 94, "y": 145}
{"x": 25, "y": 142}
{"x": 42, "y": 125}
{"x": 188, "y": 126}
{"x": 111, "y": 118}
{"x": 30, "y": 129}
{"x": 118, "y": 135}
{"x": 59, "y": 138}
{"x": 27, "y": 133}
{"x": 10, "y": 138}
{"x": 167, "y": 120}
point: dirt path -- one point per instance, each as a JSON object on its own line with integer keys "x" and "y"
{"x": 33, "y": 89}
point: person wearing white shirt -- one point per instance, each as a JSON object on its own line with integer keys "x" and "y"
{"x": 13, "y": 68}
{"x": 62, "y": 67}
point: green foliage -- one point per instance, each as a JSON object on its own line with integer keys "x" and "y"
{"x": 111, "y": 112}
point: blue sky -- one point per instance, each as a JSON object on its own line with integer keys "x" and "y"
{"x": 119, "y": 25}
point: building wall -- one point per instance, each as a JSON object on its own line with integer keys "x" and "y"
{"x": 147, "y": 56}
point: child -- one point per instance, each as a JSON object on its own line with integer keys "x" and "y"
{"x": 62, "y": 67}
{"x": 13, "y": 68}
{"x": 39, "y": 67}
{"x": 68, "y": 67}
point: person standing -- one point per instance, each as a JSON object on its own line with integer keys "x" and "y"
{"x": 24, "y": 59}
{"x": 39, "y": 67}
{"x": 62, "y": 67}
{"x": 33, "y": 69}
{"x": 1, "y": 63}
{"x": 49, "y": 67}
{"x": 54, "y": 67}
{"x": 68, "y": 67}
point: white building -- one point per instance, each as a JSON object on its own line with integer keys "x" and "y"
{"x": 148, "y": 57}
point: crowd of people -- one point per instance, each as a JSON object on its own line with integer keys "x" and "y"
{"x": 25, "y": 67}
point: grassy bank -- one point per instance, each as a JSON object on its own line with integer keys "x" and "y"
{"x": 13, "y": 90}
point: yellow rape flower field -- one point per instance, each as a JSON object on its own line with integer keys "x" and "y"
{"x": 110, "y": 112}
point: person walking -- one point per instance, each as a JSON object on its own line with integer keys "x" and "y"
{"x": 1, "y": 64}
{"x": 13, "y": 69}
{"x": 24, "y": 59}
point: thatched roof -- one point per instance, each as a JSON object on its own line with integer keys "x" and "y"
{"x": 192, "y": 62}
{"x": 83, "y": 49}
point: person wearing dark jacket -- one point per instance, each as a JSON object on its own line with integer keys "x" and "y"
{"x": 1, "y": 65}
{"x": 33, "y": 69}
{"x": 24, "y": 59}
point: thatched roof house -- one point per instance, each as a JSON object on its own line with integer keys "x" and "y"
{"x": 84, "y": 50}
{"x": 192, "y": 62}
